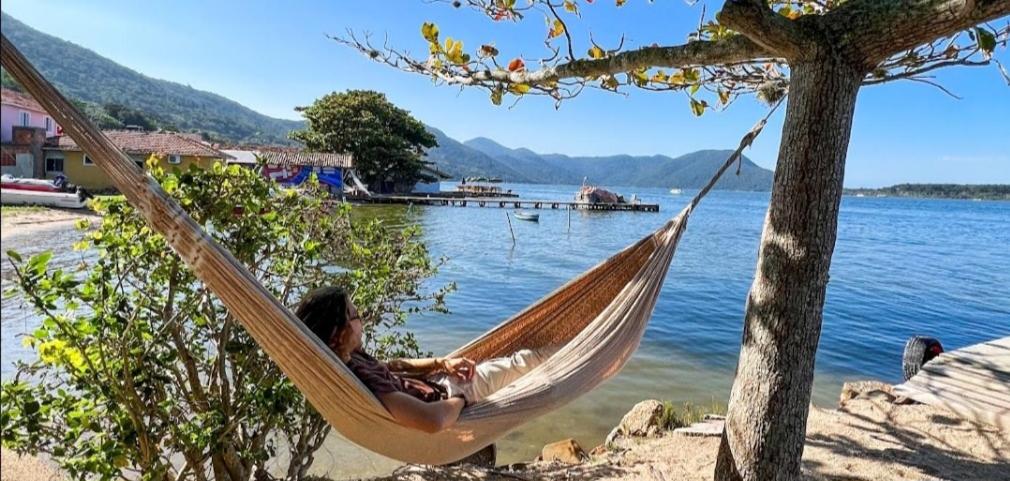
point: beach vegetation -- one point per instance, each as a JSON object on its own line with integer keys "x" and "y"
{"x": 142, "y": 373}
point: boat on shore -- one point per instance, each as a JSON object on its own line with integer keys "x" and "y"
{"x": 528, "y": 216}
{"x": 62, "y": 200}
{"x": 43, "y": 192}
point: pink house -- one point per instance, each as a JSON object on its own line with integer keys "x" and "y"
{"x": 20, "y": 110}
{"x": 24, "y": 127}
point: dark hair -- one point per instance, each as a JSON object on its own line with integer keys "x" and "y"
{"x": 324, "y": 311}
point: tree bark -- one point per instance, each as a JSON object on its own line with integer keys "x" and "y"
{"x": 769, "y": 403}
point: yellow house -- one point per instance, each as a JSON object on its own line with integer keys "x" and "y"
{"x": 174, "y": 151}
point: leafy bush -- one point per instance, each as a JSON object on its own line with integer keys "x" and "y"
{"x": 142, "y": 373}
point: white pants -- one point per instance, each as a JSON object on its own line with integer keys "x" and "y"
{"x": 494, "y": 374}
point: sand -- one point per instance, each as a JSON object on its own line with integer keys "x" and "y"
{"x": 25, "y": 468}
{"x": 870, "y": 437}
{"x": 31, "y": 220}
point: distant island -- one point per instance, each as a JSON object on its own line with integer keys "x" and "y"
{"x": 939, "y": 191}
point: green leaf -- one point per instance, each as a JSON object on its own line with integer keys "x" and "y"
{"x": 14, "y": 255}
{"x": 986, "y": 40}
{"x": 698, "y": 107}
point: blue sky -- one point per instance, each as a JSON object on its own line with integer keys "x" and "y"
{"x": 273, "y": 56}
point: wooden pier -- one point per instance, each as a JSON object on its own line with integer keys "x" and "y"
{"x": 973, "y": 382}
{"x": 509, "y": 203}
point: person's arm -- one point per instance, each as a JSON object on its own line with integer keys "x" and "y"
{"x": 430, "y": 417}
{"x": 416, "y": 367}
{"x": 461, "y": 367}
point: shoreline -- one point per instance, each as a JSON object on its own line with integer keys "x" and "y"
{"x": 30, "y": 220}
{"x": 872, "y": 434}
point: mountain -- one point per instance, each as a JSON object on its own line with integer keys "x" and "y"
{"x": 687, "y": 171}
{"x": 111, "y": 93}
{"x": 458, "y": 161}
{"x": 84, "y": 75}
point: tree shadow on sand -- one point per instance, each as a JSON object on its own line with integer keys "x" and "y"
{"x": 916, "y": 449}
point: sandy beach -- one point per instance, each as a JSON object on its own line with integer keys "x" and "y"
{"x": 22, "y": 221}
{"x": 871, "y": 436}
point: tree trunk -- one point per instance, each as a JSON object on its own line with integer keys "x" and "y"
{"x": 769, "y": 403}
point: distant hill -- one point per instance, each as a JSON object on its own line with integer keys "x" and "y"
{"x": 84, "y": 75}
{"x": 523, "y": 165}
{"x": 939, "y": 191}
{"x": 458, "y": 161}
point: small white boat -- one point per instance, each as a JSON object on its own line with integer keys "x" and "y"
{"x": 676, "y": 191}
{"x": 527, "y": 216}
{"x": 62, "y": 200}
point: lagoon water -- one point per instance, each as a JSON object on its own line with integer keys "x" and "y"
{"x": 901, "y": 267}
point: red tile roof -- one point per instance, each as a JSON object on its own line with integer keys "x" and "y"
{"x": 140, "y": 142}
{"x": 18, "y": 99}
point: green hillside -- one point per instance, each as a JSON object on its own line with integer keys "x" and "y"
{"x": 86, "y": 76}
{"x": 688, "y": 171}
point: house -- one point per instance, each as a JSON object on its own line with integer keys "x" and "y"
{"x": 64, "y": 156}
{"x": 24, "y": 127}
{"x": 291, "y": 167}
{"x": 21, "y": 110}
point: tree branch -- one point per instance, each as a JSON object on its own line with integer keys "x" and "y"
{"x": 755, "y": 20}
{"x": 870, "y": 31}
{"x": 733, "y": 50}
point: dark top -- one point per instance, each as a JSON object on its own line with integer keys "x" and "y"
{"x": 377, "y": 377}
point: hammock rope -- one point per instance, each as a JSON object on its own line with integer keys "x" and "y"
{"x": 598, "y": 317}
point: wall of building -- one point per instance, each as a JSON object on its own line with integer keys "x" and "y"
{"x": 22, "y": 156}
{"x": 92, "y": 177}
{"x": 10, "y": 116}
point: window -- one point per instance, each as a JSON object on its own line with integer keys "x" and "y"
{"x": 49, "y": 124}
{"x": 175, "y": 159}
{"x": 26, "y": 119}
{"x": 88, "y": 161}
{"x": 54, "y": 164}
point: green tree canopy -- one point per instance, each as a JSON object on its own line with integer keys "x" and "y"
{"x": 386, "y": 141}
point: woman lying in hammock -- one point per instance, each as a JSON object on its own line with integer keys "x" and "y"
{"x": 424, "y": 394}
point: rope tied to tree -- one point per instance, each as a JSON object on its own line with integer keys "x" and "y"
{"x": 736, "y": 156}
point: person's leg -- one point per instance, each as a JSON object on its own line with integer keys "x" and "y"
{"x": 494, "y": 374}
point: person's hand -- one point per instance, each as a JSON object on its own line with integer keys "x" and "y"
{"x": 460, "y": 367}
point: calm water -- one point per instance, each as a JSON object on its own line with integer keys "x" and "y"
{"x": 901, "y": 267}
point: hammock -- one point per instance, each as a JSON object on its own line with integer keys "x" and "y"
{"x": 599, "y": 317}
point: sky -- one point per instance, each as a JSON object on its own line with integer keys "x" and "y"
{"x": 274, "y": 56}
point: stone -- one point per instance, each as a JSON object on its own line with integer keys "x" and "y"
{"x": 565, "y": 451}
{"x": 644, "y": 415}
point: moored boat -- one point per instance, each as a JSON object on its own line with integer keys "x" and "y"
{"x": 597, "y": 195}
{"x": 530, "y": 216}
{"x": 676, "y": 191}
